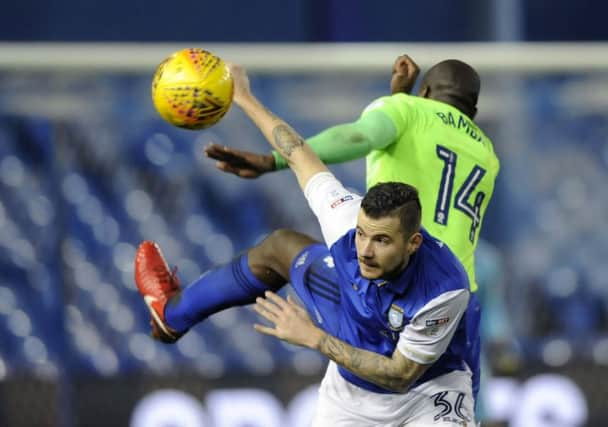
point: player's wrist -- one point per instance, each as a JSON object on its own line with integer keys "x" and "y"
{"x": 244, "y": 99}
{"x": 317, "y": 337}
{"x": 270, "y": 163}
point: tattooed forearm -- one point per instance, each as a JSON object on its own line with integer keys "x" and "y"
{"x": 374, "y": 367}
{"x": 286, "y": 139}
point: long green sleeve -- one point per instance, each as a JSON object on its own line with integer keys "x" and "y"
{"x": 350, "y": 141}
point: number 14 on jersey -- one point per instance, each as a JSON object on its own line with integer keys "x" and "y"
{"x": 462, "y": 201}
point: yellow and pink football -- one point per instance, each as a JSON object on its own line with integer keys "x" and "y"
{"x": 192, "y": 89}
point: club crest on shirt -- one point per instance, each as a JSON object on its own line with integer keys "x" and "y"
{"x": 395, "y": 317}
{"x": 329, "y": 261}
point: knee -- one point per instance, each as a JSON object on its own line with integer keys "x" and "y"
{"x": 270, "y": 261}
{"x": 279, "y": 249}
{"x": 278, "y": 242}
{"x": 283, "y": 236}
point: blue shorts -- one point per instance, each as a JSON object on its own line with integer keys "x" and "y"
{"x": 315, "y": 280}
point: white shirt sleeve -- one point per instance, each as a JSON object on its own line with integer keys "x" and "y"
{"x": 430, "y": 331}
{"x": 336, "y": 208}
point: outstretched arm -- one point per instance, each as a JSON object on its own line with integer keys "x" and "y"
{"x": 300, "y": 157}
{"x": 421, "y": 342}
{"x": 292, "y": 324}
{"x": 374, "y": 130}
{"x": 337, "y": 144}
{"x": 350, "y": 141}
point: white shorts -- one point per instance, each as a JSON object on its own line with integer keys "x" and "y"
{"x": 445, "y": 401}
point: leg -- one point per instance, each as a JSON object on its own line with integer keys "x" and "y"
{"x": 263, "y": 267}
{"x": 314, "y": 278}
{"x": 271, "y": 260}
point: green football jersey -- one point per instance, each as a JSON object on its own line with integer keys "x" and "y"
{"x": 441, "y": 152}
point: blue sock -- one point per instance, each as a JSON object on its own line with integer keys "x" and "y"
{"x": 227, "y": 286}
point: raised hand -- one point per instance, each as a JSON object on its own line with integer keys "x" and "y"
{"x": 242, "y": 89}
{"x": 405, "y": 73}
{"x": 291, "y": 322}
{"x": 244, "y": 164}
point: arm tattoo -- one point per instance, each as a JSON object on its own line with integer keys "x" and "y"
{"x": 286, "y": 139}
{"x": 372, "y": 366}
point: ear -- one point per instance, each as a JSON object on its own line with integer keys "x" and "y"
{"x": 424, "y": 92}
{"x": 414, "y": 242}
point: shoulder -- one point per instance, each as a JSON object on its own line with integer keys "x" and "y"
{"x": 402, "y": 109}
{"x": 442, "y": 269}
{"x": 344, "y": 253}
{"x": 494, "y": 162}
{"x": 344, "y": 246}
{"x": 398, "y": 100}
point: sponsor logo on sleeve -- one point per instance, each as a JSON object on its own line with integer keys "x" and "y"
{"x": 341, "y": 200}
{"x": 433, "y": 326}
{"x": 437, "y": 322}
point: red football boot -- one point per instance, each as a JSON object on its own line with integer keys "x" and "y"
{"x": 157, "y": 284}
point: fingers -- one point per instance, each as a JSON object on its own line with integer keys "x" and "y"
{"x": 406, "y": 65}
{"x": 234, "y": 68}
{"x": 276, "y": 299}
{"x": 405, "y": 59}
{"x": 213, "y": 153}
{"x": 297, "y": 307}
{"x": 225, "y": 167}
{"x": 292, "y": 302}
{"x": 266, "y": 309}
{"x": 218, "y": 152}
{"x": 225, "y": 159}
{"x": 272, "y": 302}
{"x": 265, "y": 304}
{"x": 272, "y": 306}
{"x": 226, "y": 154}
{"x": 211, "y": 147}
{"x": 239, "y": 75}
{"x": 265, "y": 330}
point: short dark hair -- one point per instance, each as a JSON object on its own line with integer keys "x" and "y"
{"x": 394, "y": 199}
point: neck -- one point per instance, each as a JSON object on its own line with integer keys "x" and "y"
{"x": 397, "y": 271}
{"x": 456, "y": 103}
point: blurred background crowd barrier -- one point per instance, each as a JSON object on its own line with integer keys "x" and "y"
{"x": 88, "y": 170}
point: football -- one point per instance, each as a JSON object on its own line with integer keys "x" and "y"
{"x": 192, "y": 89}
